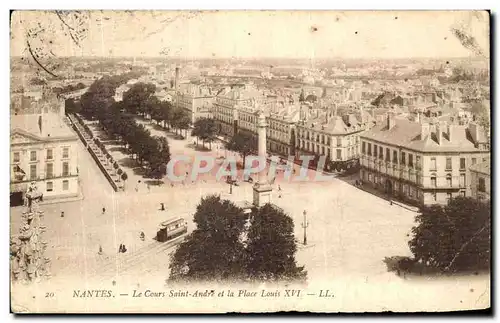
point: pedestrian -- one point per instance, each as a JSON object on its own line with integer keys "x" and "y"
{"x": 120, "y": 249}
{"x": 279, "y": 188}
{"x": 142, "y": 236}
{"x": 124, "y": 249}
{"x": 390, "y": 202}
{"x": 162, "y": 206}
{"x": 100, "y": 250}
{"x": 103, "y": 210}
{"x": 171, "y": 184}
{"x": 62, "y": 214}
{"x": 149, "y": 188}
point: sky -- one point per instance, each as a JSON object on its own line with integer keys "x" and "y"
{"x": 246, "y": 34}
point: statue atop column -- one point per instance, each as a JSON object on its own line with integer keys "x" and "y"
{"x": 27, "y": 249}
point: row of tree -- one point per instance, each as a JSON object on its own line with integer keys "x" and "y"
{"x": 223, "y": 247}
{"x": 140, "y": 100}
{"x": 98, "y": 103}
{"x": 152, "y": 150}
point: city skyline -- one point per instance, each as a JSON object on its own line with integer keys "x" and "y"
{"x": 265, "y": 34}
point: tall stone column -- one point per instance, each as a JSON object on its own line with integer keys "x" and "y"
{"x": 262, "y": 190}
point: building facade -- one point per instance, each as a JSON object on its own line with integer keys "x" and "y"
{"x": 421, "y": 163}
{"x": 481, "y": 180}
{"x": 43, "y": 150}
{"x": 229, "y": 104}
{"x": 196, "y": 100}
{"x": 326, "y": 134}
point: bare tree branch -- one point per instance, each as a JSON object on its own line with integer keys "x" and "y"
{"x": 36, "y": 60}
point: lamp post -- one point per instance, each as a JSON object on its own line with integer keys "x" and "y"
{"x": 305, "y": 224}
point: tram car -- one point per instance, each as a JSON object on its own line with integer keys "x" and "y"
{"x": 171, "y": 229}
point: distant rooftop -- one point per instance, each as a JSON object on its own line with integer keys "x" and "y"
{"x": 483, "y": 168}
{"x": 409, "y": 134}
{"x": 50, "y": 125}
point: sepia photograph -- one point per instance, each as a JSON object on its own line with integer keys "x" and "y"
{"x": 249, "y": 161}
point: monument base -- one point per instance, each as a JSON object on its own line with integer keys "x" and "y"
{"x": 261, "y": 194}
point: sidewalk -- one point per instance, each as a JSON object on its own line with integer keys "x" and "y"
{"x": 391, "y": 199}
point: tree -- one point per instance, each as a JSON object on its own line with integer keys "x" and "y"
{"x": 223, "y": 248}
{"x": 454, "y": 237}
{"x": 271, "y": 246}
{"x": 136, "y": 98}
{"x": 213, "y": 251}
{"x": 206, "y": 130}
{"x": 124, "y": 178}
{"x": 243, "y": 144}
{"x": 180, "y": 119}
{"x": 302, "y": 96}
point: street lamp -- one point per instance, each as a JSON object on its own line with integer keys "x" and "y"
{"x": 305, "y": 224}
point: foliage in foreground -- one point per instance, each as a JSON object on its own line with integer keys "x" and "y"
{"x": 229, "y": 246}
{"x": 454, "y": 237}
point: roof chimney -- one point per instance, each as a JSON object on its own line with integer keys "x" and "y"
{"x": 424, "y": 130}
{"x": 40, "y": 122}
{"x": 474, "y": 132}
{"x": 439, "y": 132}
{"x": 450, "y": 131}
{"x": 390, "y": 120}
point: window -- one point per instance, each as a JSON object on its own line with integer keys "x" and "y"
{"x": 403, "y": 158}
{"x": 481, "y": 187}
{"x": 363, "y": 148}
{"x": 395, "y": 157}
{"x": 434, "y": 196}
{"x": 369, "y": 149}
{"x": 32, "y": 155}
{"x": 375, "y": 151}
{"x": 462, "y": 193}
{"x": 65, "y": 167}
{"x": 339, "y": 141}
{"x": 448, "y": 180}
{"x": 33, "y": 172}
{"x": 448, "y": 163}
{"x": 433, "y": 180}
{"x": 433, "y": 164}
{"x": 50, "y": 170}
{"x": 65, "y": 185}
{"x": 462, "y": 180}
{"x": 448, "y": 197}
{"x": 462, "y": 163}
{"x": 473, "y": 161}
{"x": 50, "y": 186}
{"x": 339, "y": 154}
{"x": 387, "y": 155}
{"x": 417, "y": 162}
{"x": 381, "y": 152}
{"x": 328, "y": 151}
{"x": 16, "y": 157}
{"x": 410, "y": 160}
{"x": 50, "y": 155}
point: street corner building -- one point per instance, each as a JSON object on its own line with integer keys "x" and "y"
{"x": 43, "y": 150}
{"x": 421, "y": 162}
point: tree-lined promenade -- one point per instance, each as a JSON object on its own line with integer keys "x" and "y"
{"x": 117, "y": 119}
